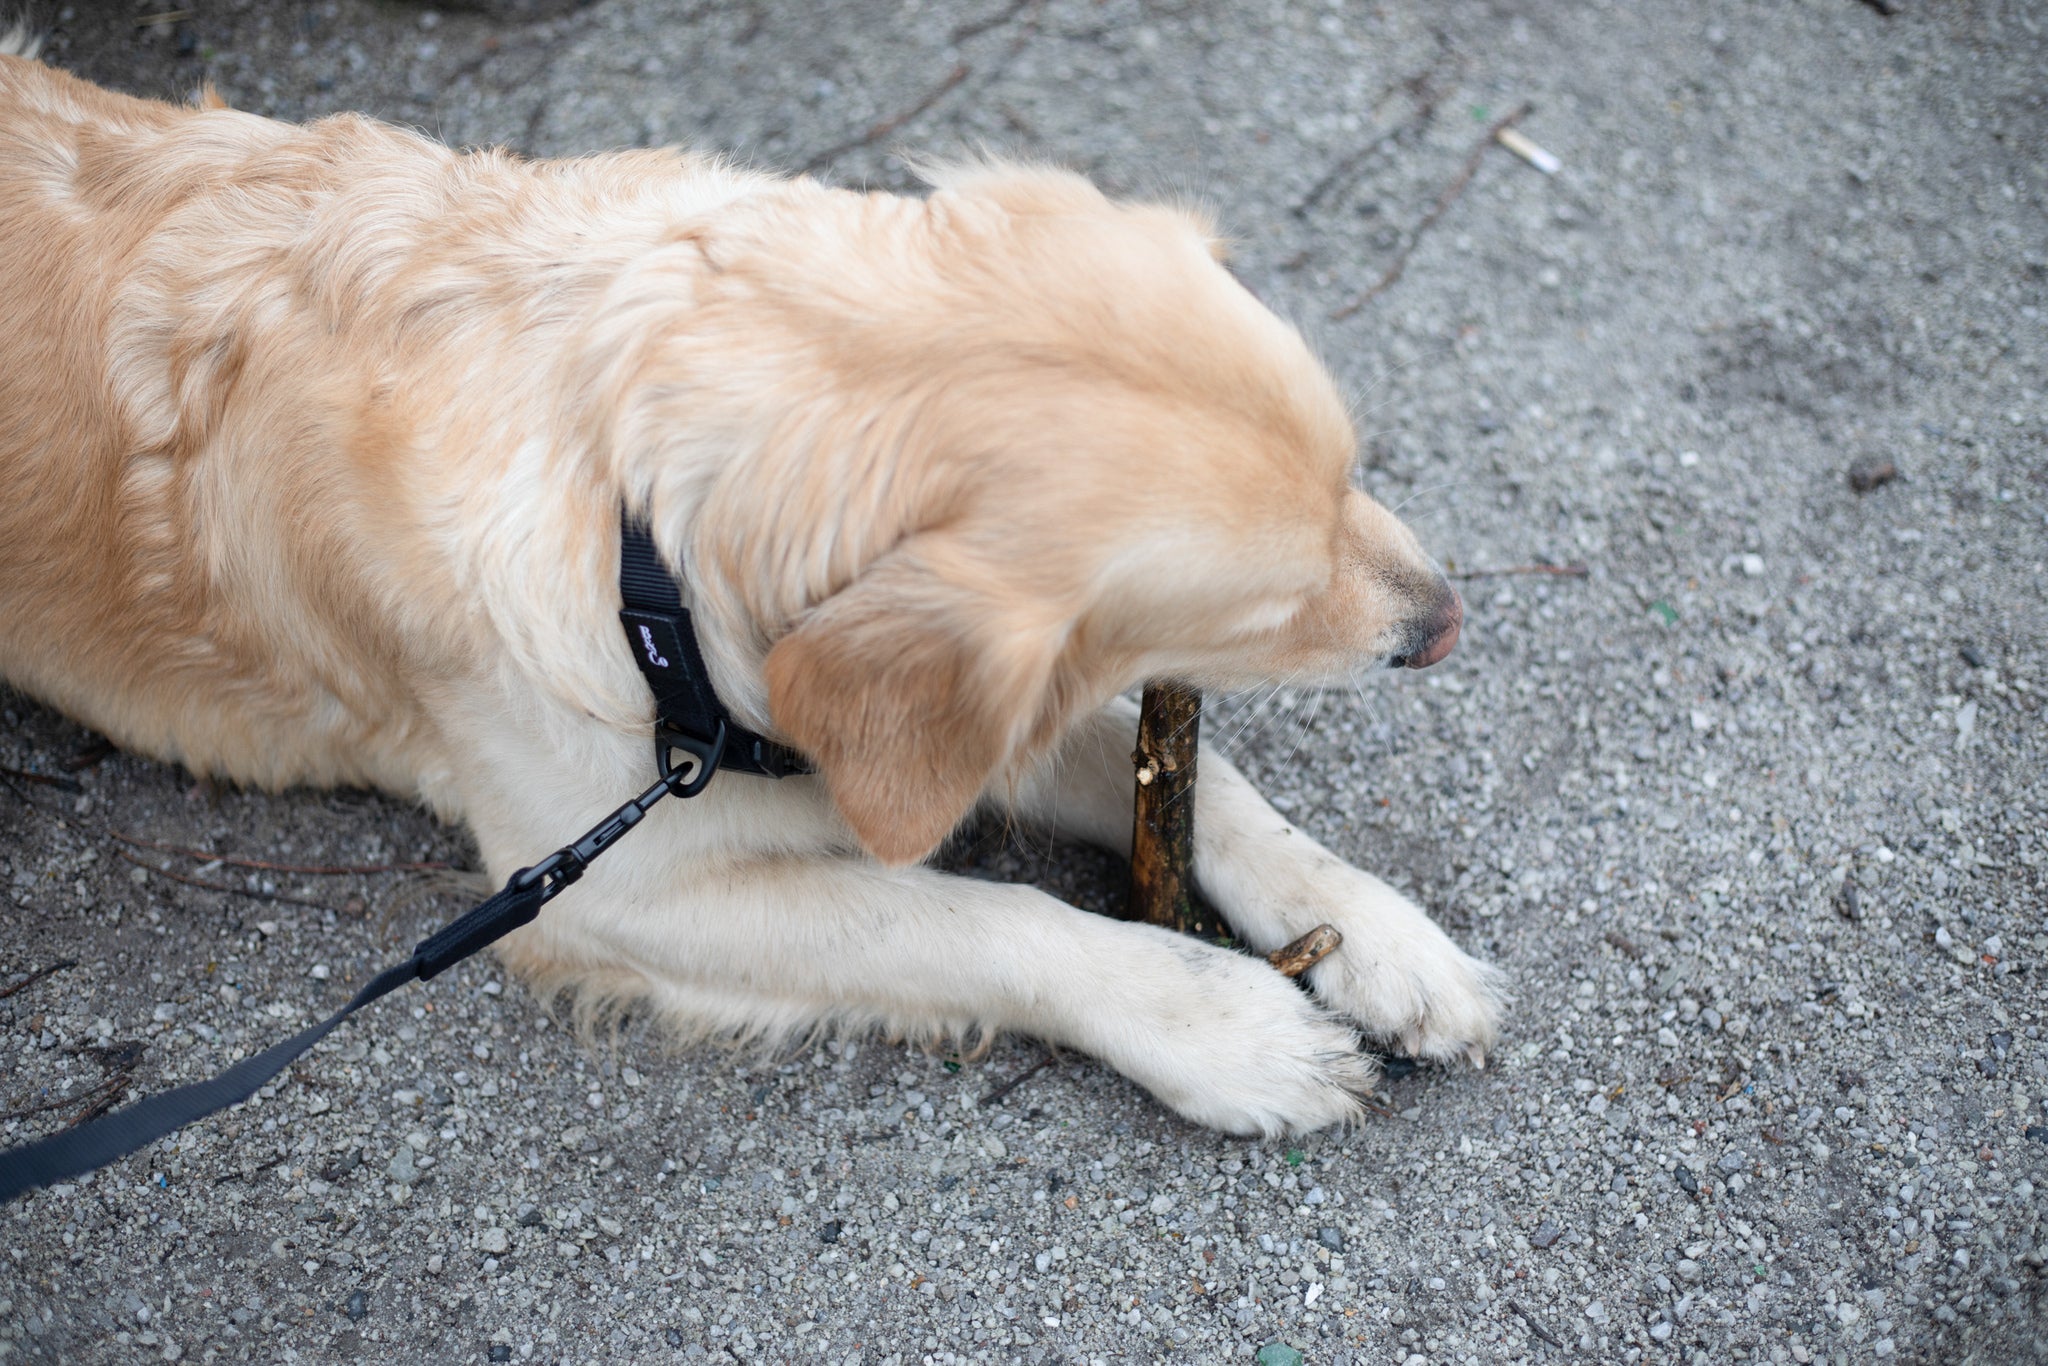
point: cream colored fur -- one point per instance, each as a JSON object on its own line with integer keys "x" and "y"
{"x": 314, "y": 441}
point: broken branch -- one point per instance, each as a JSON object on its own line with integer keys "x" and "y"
{"x": 1294, "y": 959}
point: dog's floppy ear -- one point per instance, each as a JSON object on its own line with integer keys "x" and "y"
{"x": 909, "y": 689}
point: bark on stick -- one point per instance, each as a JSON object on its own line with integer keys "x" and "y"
{"x": 1163, "y": 827}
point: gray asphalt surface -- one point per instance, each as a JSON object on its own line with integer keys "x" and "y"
{"x": 1753, "y": 815}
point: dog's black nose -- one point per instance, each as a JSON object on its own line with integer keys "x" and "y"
{"x": 1434, "y": 639}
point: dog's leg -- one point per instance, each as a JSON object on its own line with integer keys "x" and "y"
{"x": 771, "y": 948}
{"x": 1397, "y": 974}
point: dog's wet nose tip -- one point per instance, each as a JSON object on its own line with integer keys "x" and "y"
{"x": 1440, "y": 636}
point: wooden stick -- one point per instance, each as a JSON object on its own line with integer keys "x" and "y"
{"x": 1163, "y": 824}
{"x": 1304, "y": 953}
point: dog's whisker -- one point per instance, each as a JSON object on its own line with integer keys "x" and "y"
{"x": 1301, "y": 733}
{"x": 1387, "y": 372}
{"x": 1252, "y": 714}
{"x": 1237, "y": 708}
{"x": 1428, "y": 488}
{"x": 1281, "y": 693}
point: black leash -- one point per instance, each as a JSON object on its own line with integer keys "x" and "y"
{"x": 688, "y": 717}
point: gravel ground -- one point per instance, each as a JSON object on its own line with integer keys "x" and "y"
{"x": 1753, "y": 814}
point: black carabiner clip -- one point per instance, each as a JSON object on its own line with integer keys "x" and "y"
{"x": 682, "y": 782}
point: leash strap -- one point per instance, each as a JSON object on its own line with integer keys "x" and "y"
{"x": 664, "y": 645}
{"x": 688, "y": 717}
{"x": 75, "y": 1152}
{"x": 89, "y": 1146}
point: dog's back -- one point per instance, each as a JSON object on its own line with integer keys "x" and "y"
{"x": 126, "y": 321}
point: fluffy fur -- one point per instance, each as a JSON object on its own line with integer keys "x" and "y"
{"x": 314, "y": 440}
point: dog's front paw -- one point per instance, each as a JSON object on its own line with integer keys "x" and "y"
{"x": 1405, "y": 982}
{"x": 1238, "y": 1048}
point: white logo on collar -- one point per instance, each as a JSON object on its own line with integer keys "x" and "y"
{"x": 653, "y": 655}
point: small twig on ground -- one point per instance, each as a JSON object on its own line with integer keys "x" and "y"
{"x": 877, "y": 131}
{"x": 974, "y": 28}
{"x": 261, "y": 865}
{"x": 62, "y": 784}
{"x": 1422, "y": 87}
{"x": 54, "y": 1103}
{"x": 1443, "y": 203}
{"x": 229, "y": 888}
{"x": 243, "y": 1173}
{"x": 1562, "y": 571}
{"x": 1382, "y": 1111}
{"x": 997, "y": 1093}
{"x": 1537, "y": 1328}
{"x": 89, "y": 757}
{"x": 100, "y": 1099}
{"x": 37, "y": 976}
{"x": 91, "y": 1103}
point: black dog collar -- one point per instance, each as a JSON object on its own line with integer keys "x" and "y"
{"x": 688, "y": 715}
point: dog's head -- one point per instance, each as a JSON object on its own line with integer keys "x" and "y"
{"x": 1037, "y": 447}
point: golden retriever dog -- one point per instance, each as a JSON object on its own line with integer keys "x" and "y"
{"x": 314, "y": 442}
